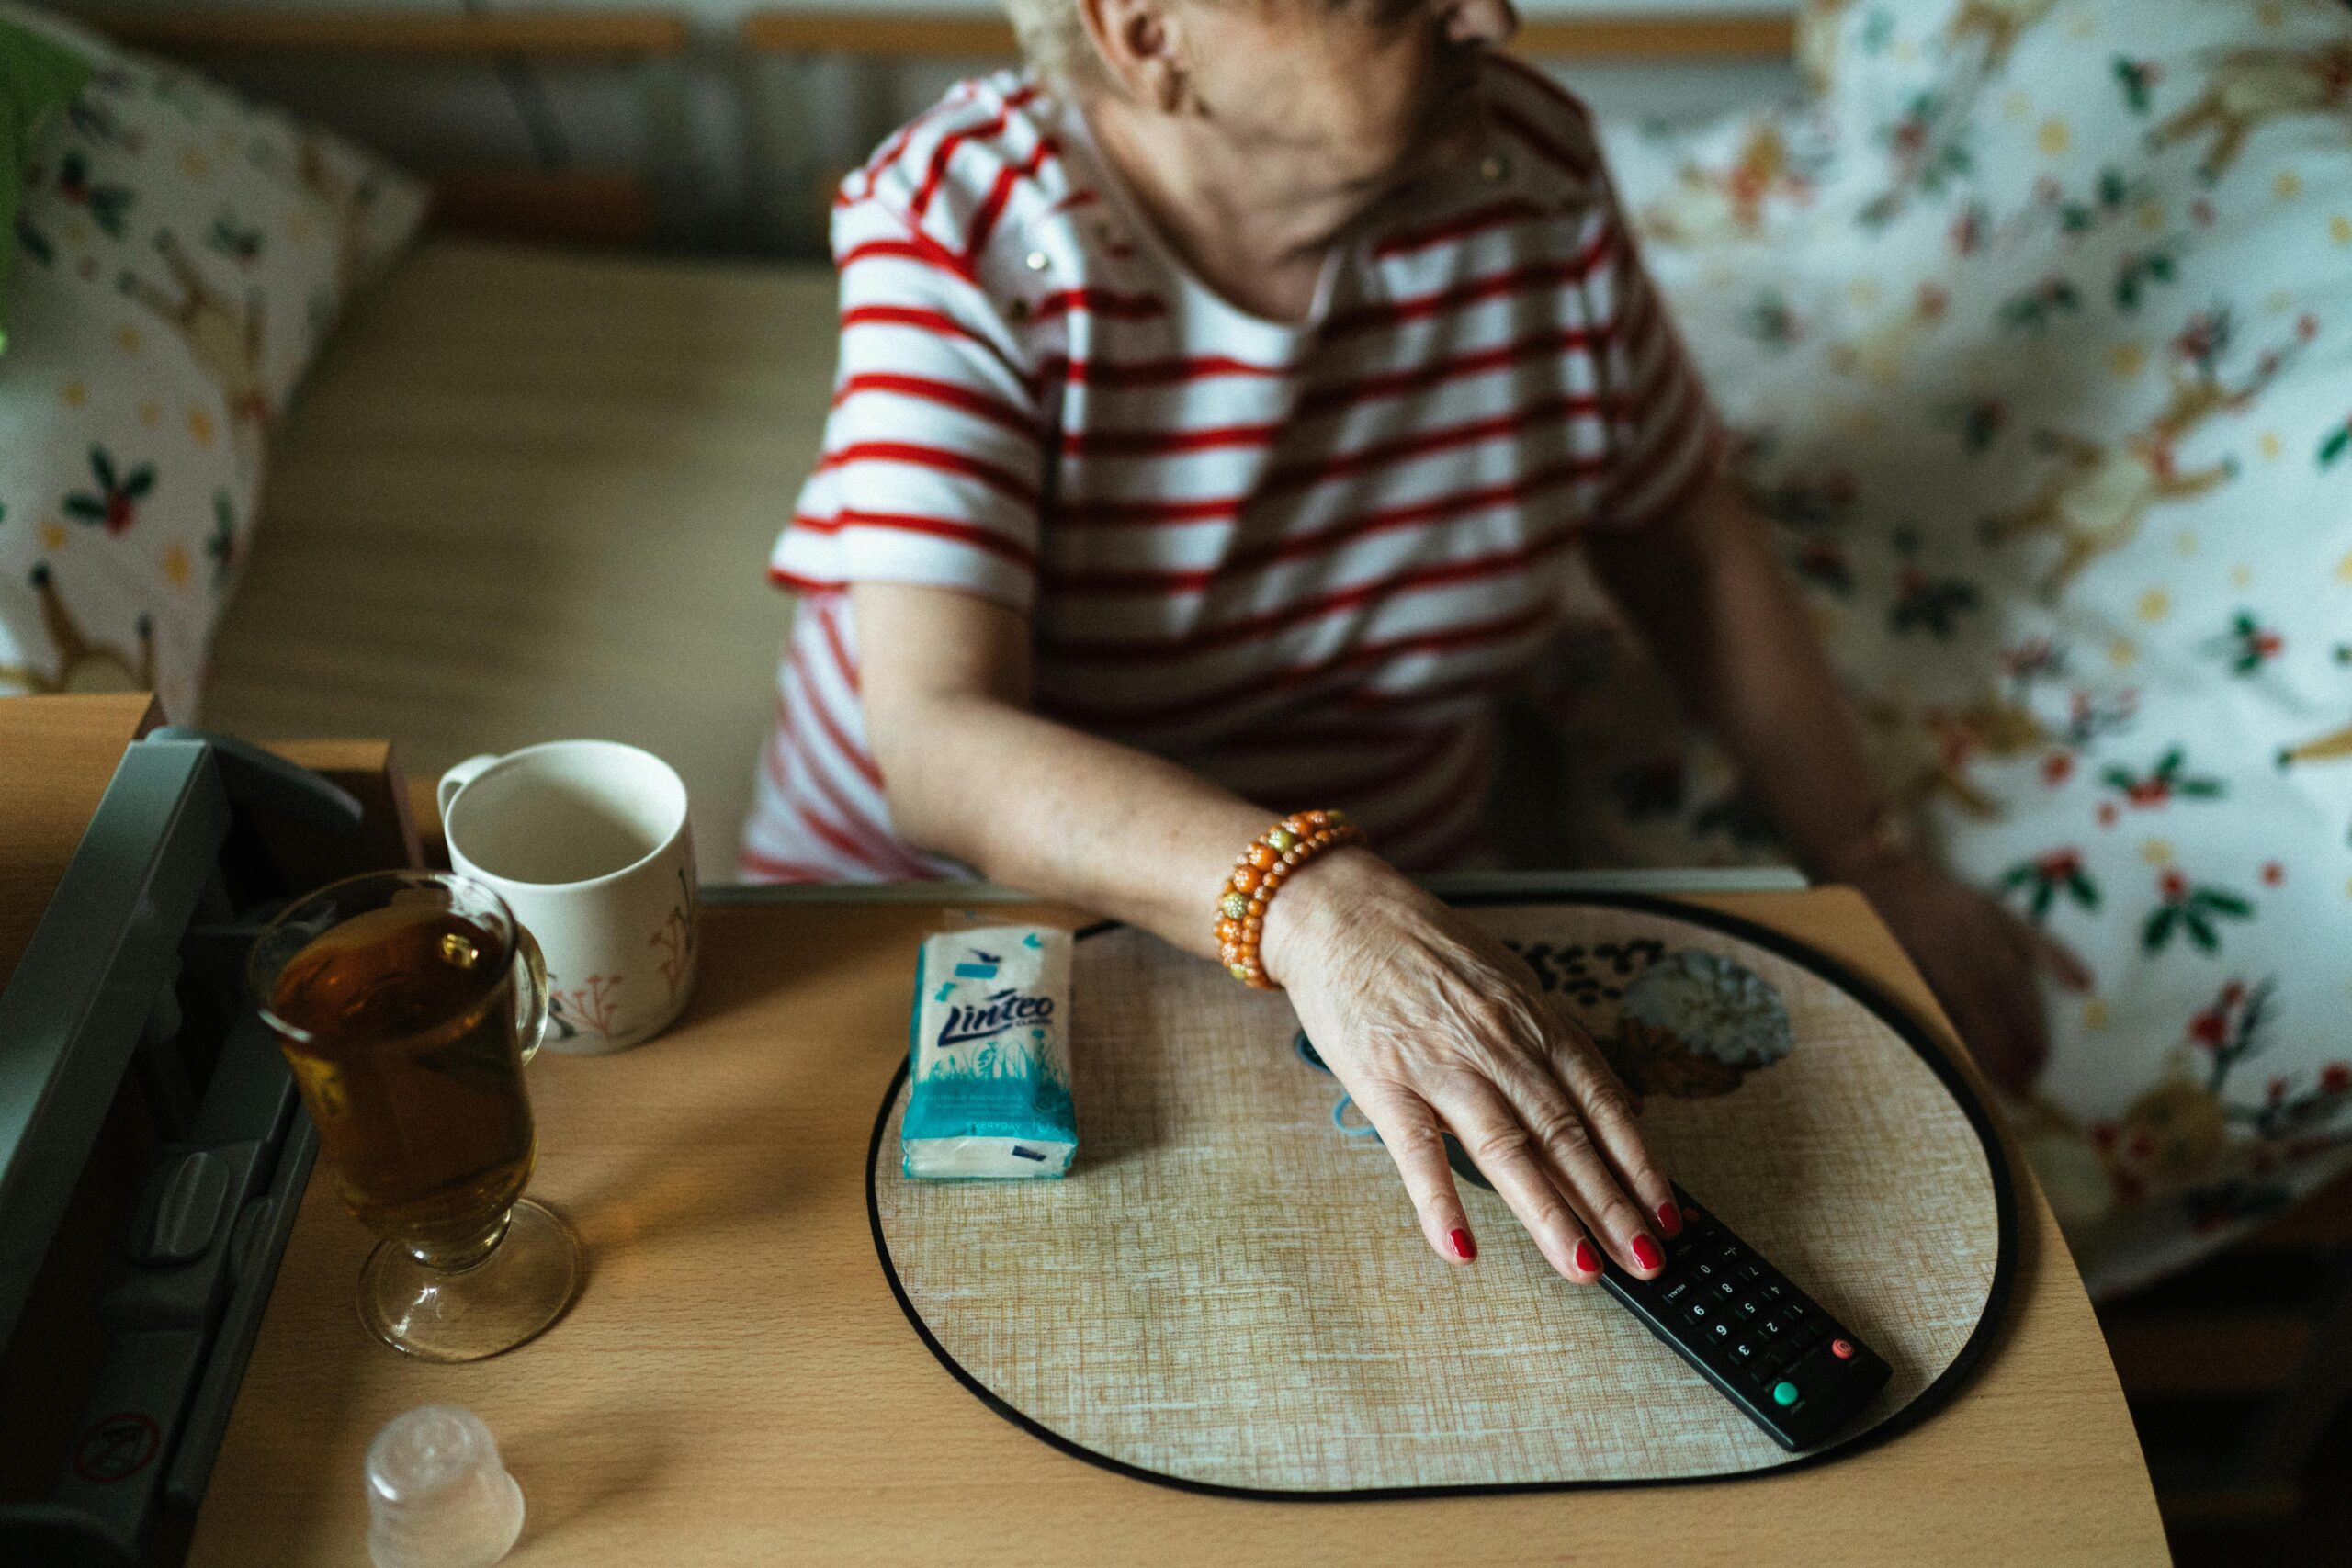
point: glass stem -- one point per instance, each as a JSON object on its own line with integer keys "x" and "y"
{"x": 469, "y": 1257}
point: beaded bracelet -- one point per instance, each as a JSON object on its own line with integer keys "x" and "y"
{"x": 1258, "y": 873}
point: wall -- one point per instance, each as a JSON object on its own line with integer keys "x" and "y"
{"x": 739, "y": 151}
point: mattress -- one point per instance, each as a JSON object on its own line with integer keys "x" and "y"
{"x": 528, "y": 494}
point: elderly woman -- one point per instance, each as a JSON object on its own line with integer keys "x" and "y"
{"x": 1218, "y": 404}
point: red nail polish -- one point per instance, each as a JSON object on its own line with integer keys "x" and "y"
{"x": 1464, "y": 1247}
{"x": 1669, "y": 1220}
{"x": 1587, "y": 1259}
{"x": 1646, "y": 1252}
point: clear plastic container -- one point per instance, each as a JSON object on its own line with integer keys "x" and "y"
{"x": 438, "y": 1494}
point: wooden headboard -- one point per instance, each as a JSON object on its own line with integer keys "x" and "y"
{"x": 880, "y": 32}
{"x": 617, "y": 205}
{"x": 894, "y": 34}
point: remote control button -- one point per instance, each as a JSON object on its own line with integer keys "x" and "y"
{"x": 1726, "y": 1289}
{"x": 1698, "y": 1311}
{"x": 1676, "y": 1292}
{"x": 1750, "y": 1271}
{"x": 1744, "y": 1352}
{"x": 1722, "y": 1331}
{"x": 1748, "y": 1308}
{"x": 1784, "y": 1393}
{"x": 1842, "y": 1348}
{"x": 1704, "y": 1270}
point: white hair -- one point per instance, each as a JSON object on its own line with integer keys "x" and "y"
{"x": 1053, "y": 39}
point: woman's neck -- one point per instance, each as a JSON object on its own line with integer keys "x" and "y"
{"x": 1248, "y": 227}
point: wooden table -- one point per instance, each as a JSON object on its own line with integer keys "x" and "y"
{"x": 737, "y": 1385}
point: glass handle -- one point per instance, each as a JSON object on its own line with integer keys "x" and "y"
{"x": 530, "y": 992}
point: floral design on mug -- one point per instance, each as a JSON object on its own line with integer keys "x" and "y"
{"x": 676, "y": 937}
{"x": 593, "y": 1008}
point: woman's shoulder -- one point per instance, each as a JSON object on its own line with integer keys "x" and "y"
{"x": 979, "y": 161}
{"x": 1533, "y": 114}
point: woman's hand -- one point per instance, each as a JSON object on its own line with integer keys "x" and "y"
{"x": 1434, "y": 1026}
{"x": 1979, "y": 958}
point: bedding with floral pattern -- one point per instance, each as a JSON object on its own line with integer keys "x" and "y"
{"x": 180, "y": 254}
{"x": 2035, "y": 322}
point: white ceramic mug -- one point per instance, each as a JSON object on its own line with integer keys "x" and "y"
{"x": 587, "y": 840}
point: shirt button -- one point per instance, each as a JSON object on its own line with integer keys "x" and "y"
{"x": 1036, "y": 261}
{"x": 1494, "y": 168}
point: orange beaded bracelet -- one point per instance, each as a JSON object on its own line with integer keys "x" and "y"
{"x": 1258, "y": 873}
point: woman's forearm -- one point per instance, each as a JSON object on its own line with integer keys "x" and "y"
{"x": 970, "y": 772}
{"x": 1723, "y": 618}
{"x": 1067, "y": 816}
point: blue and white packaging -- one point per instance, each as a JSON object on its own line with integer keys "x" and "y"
{"x": 988, "y": 1057}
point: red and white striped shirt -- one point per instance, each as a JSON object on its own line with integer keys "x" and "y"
{"x": 1302, "y": 559}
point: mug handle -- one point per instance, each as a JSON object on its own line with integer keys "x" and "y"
{"x": 530, "y": 992}
{"x": 459, "y": 777}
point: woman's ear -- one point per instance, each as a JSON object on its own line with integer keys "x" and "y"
{"x": 1138, "y": 45}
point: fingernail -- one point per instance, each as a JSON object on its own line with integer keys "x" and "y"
{"x": 1647, "y": 1253}
{"x": 1669, "y": 1220}
{"x": 1465, "y": 1245}
{"x": 1587, "y": 1258}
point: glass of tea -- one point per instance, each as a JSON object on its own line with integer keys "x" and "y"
{"x": 406, "y": 1003}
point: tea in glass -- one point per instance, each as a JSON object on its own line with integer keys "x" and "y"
{"x": 408, "y": 1057}
{"x": 406, "y": 1003}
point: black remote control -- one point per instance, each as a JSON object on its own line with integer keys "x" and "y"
{"x": 1767, "y": 1347}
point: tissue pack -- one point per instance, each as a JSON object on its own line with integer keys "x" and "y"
{"x": 987, "y": 1051}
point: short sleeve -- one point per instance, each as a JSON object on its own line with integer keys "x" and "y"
{"x": 1666, "y": 441}
{"x": 933, "y": 455}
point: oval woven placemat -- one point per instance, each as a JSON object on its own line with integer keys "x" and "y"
{"x": 1230, "y": 1291}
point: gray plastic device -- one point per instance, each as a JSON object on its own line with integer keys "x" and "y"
{"x": 131, "y": 1062}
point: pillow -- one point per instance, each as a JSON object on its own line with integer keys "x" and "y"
{"x": 182, "y": 256}
{"x": 38, "y": 78}
{"x": 2046, "y": 389}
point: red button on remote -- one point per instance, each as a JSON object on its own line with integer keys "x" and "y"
{"x": 1842, "y": 1348}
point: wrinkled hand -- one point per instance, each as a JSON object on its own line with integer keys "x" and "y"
{"x": 1980, "y": 959}
{"x": 1434, "y": 1026}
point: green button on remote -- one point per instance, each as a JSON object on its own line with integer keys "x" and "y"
{"x": 1784, "y": 1393}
